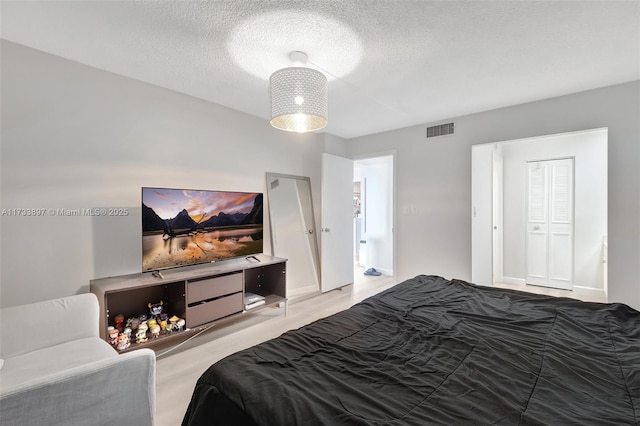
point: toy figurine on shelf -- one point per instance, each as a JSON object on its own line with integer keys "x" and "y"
{"x": 142, "y": 318}
{"x": 155, "y": 330}
{"x": 164, "y": 316}
{"x": 163, "y": 325}
{"x": 133, "y": 323}
{"x": 128, "y": 332}
{"x": 155, "y": 309}
{"x": 173, "y": 322}
{"x": 141, "y": 334}
{"x": 119, "y": 319}
{"x": 151, "y": 323}
{"x": 180, "y": 323}
{"x": 113, "y": 335}
{"x": 123, "y": 342}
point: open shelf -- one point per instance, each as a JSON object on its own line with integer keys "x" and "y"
{"x": 270, "y": 300}
{"x": 200, "y": 295}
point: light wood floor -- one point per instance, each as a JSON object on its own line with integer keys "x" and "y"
{"x": 179, "y": 369}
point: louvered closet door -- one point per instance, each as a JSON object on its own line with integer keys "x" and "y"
{"x": 550, "y": 223}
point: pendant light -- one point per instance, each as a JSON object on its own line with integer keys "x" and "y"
{"x": 298, "y": 97}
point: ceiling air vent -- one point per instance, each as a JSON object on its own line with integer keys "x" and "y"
{"x": 440, "y": 130}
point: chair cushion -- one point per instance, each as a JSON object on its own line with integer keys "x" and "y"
{"x": 81, "y": 310}
{"x": 18, "y": 371}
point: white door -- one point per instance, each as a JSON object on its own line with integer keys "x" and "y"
{"x": 550, "y": 223}
{"x": 497, "y": 203}
{"x": 336, "y": 251}
{"x": 482, "y": 214}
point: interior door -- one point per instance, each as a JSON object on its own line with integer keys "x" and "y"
{"x": 549, "y": 230}
{"x": 336, "y": 251}
{"x": 482, "y": 214}
{"x": 497, "y": 202}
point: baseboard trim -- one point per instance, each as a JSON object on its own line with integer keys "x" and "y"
{"x": 383, "y": 271}
{"x": 591, "y": 290}
{"x": 514, "y": 281}
{"x": 302, "y": 291}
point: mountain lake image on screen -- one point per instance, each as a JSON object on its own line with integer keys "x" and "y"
{"x": 184, "y": 227}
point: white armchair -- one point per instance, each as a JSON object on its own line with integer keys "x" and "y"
{"x": 56, "y": 370}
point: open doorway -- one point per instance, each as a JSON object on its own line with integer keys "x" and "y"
{"x": 505, "y": 259}
{"x": 373, "y": 216}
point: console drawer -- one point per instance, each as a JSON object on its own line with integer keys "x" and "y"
{"x": 211, "y": 288}
{"x": 215, "y": 309}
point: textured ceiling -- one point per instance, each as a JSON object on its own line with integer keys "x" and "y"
{"x": 390, "y": 64}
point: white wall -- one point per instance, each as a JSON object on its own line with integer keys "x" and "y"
{"x": 434, "y": 180}
{"x": 77, "y": 137}
{"x": 589, "y": 150}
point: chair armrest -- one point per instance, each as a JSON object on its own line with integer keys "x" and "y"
{"x": 119, "y": 390}
{"x": 48, "y": 323}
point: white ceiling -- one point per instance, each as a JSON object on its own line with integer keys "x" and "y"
{"x": 391, "y": 64}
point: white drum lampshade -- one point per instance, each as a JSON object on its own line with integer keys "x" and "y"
{"x": 298, "y": 99}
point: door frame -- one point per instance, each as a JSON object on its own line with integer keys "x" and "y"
{"x": 392, "y": 154}
{"x": 520, "y": 281}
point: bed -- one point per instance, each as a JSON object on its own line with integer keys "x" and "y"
{"x": 430, "y": 351}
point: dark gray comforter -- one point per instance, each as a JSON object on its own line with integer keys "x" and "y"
{"x": 432, "y": 351}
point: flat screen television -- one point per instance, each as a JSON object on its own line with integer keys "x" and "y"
{"x": 183, "y": 227}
